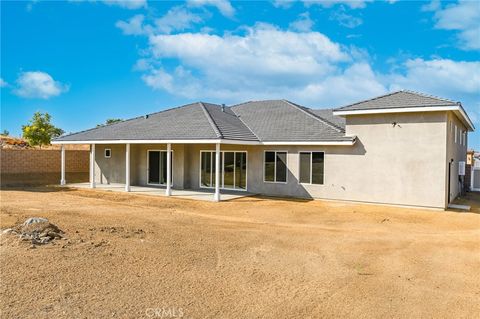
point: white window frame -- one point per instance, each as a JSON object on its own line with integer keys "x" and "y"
{"x": 105, "y": 152}
{"x": 275, "y": 167}
{"x": 222, "y": 172}
{"x": 148, "y": 167}
{"x": 311, "y": 160}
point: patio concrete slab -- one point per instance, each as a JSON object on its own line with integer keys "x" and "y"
{"x": 205, "y": 195}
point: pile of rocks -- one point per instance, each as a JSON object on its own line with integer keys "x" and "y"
{"x": 37, "y": 230}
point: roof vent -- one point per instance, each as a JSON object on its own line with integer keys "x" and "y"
{"x": 223, "y": 107}
{"x": 146, "y": 116}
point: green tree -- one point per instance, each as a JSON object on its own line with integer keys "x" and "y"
{"x": 40, "y": 130}
{"x": 5, "y": 133}
{"x": 110, "y": 121}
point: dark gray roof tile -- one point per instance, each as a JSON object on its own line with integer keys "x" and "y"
{"x": 399, "y": 99}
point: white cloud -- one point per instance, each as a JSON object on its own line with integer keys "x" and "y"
{"x": 38, "y": 84}
{"x": 3, "y": 83}
{"x": 224, "y": 6}
{"x": 303, "y": 23}
{"x": 439, "y": 76}
{"x": 353, "y": 4}
{"x": 177, "y": 19}
{"x": 285, "y": 4}
{"x": 463, "y": 17}
{"x": 134, "y": 26}
{"x": 128, "y": 4}
{"x": 264, "y": 51}
{"x": 345, "y": 19}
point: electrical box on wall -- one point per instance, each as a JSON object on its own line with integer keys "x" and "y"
{"x": 461, "y": 168}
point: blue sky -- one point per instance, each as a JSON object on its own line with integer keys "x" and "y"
{"x": 86, "y": 61}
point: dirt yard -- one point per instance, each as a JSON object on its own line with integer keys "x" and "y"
{"x": 130, "y": 256}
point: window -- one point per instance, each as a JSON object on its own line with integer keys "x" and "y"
{"x": 275, "y": 167}
{"x": 233, "y": 170}
{"x": 312, "y": 167}
{"x": 108, "y": 153}
{"x": 455, "y": 134}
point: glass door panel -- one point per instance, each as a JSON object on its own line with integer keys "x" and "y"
{"x": 153, "y": 167}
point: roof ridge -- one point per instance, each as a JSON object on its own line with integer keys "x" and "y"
{"x": 211, "y": 121}
{"x": 248, "y": 127}
{"x": 318, "y": 118}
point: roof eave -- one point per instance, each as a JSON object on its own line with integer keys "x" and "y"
{"x": 351, "y": 141}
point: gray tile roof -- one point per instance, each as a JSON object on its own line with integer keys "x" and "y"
{"x": 275, "y": 120}
{"x": 228, "y": 124}
{"x": 281, "y": 120}
{"x": 399, "y": 99}
{"x": 327, "y": 114}
{"x": 186, "y": 122}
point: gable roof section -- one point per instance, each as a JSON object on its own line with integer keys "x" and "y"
{"x": 281, "y": 120}
{"x": 399, "y": 99}
{"x": 403, "y": 102}
{"x": 186, "y": 122}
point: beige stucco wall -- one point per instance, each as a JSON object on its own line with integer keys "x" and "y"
{"x": 112, "y": 170}
{"x": 403, "y": 164}
{"x": 456, "y": 151}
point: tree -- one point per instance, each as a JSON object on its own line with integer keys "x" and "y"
{"x": 110, "y": 121}
{"x": 40, "y": 130}
{"x": 5, "y": 133}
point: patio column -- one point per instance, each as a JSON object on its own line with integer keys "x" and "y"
{"x": 62, "y": 174}
{"x": 216, "y": 197}
{"x": 168, "y": 191}
{"x": 92, "y": 166}
{"x": 127, "y": 167}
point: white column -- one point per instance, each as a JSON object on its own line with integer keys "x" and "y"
{"x": 168, "y": 191}
{"x": 92, "y": 166}
{"x": 62, "y": 170}
{"x": 216, "y": 197}
{"x": 127, "y": 167}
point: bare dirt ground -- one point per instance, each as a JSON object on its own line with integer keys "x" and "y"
{"x": 131, "y": 256}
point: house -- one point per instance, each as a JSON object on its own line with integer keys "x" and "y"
{"x": 403, "y": 148}
{"x": 472, "y": 174}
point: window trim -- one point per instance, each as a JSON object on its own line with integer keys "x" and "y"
{"x": 222, "y": 172}
{"x": 105, "y": 152}
{"x": 148, "y": 166}
{"x": 275, "y": 167}
{"x": 311, "y": 160}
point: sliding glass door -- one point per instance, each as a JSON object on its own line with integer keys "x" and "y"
{"x": 233, "y": 170}
{"x": 157, "y": 167}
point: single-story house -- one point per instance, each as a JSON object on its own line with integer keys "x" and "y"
{"x": 403, "y": 148}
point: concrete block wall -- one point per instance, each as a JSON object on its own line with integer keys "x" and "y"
{"x": 36, "y": 166}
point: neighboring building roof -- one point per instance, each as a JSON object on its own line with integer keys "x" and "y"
{"x": 281, "y": 120}
{"x": 399, "y": 99}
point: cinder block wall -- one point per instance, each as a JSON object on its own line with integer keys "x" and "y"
{"x": 41, "y": 167}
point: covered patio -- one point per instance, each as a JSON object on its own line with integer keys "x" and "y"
{"x": 204, "y": 195}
